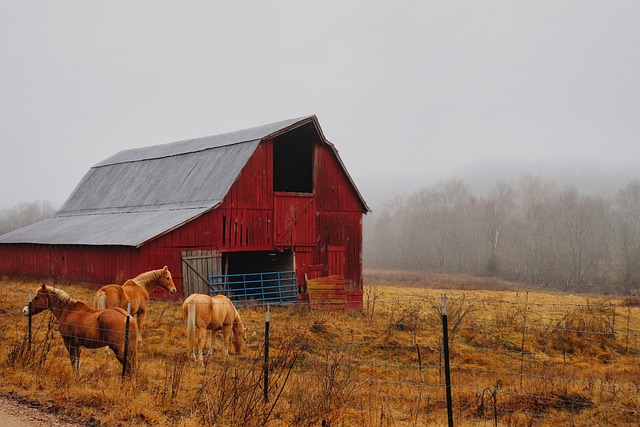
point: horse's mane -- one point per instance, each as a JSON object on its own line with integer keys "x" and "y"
{"x": 237, "y": 319}
{"x": 143, "y": 278}
{"x": 62, "y": 295}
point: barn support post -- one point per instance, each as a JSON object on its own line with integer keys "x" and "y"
{"x": 447, "y": 371}
{"x": 266, "y": 354}
{"x": 126, "y": 340}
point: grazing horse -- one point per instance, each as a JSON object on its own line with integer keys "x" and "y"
{"x": 137, "y": 292}
{"x": 203, "y": 313}
{"x": 82, "y": 326}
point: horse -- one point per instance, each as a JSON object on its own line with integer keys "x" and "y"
{"x": 203, "y": 313}
{"x": 82, "y": 326}
{"x": 137, "y": 292}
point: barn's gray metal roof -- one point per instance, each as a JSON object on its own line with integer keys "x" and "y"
{"x": 204, "y": 143}
{"x": 123, "y": 229}
{"x": 139, "y": 194}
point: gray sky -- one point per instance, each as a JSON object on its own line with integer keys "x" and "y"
{"x": 406, "y": 90}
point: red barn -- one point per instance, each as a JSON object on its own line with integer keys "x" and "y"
{"x": 273, "y": 198}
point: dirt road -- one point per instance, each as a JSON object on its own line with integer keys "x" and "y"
{"x": 14, "y": 413}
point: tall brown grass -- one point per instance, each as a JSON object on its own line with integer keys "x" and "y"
{"x": 518, "y": 358}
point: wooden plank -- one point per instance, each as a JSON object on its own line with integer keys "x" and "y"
{"x": 327, "y": 293}
{"x": 197, "y": 267}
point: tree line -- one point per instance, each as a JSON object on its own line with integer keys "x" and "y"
{"x": 534, "y": 231}
{"x": 25, "y": 213}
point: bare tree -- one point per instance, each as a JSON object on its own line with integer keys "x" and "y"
{"x": 442, "y": 227}
{"x": 24, "y": 214}
{"x": 496, "y": 210}
{"x": 581, "y": 237}
{"x": 536, "y": 212}
{"x": 628, "y": 235}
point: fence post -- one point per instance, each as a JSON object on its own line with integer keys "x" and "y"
{"x": 30, "y": 319}
{"x": 524, "y": 329}
{"x": 447, "y": 373}
{"x": 126, "y": 341}
{"x": 266, "y": 354}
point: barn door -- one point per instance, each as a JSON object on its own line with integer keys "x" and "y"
{"x": 294, "y": 220}
{"x": 197, "y": 267}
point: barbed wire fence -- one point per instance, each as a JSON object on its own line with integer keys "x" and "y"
{"x": 516, "y": 362}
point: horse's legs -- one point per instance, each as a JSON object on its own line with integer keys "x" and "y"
{"x": 193, "y": 344}
{"x": 210, "y": 337}
{"x": 226, "y": 333}
{"x": 74, "y": 355}
{"x": 140, "y": 319}
{"x": 202, "y": 338}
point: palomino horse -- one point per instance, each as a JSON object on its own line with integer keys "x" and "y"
{"x": 82, "y": 326}
{"x": 204, "y": 313}
{"x": 137, "y": 292}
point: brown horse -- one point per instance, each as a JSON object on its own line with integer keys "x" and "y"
{"x": 203, "y": 313}
{"x": 137, "y": 292}
{"x": 82, "y": 326}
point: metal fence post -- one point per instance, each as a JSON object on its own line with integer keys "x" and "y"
{"x": 266, "y": 354}
{"x": 447, "y": 372}
{"x": 30, "y": 319}
{"x": 126, "y": 340}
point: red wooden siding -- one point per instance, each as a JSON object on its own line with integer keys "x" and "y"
{"x": 343, "y": 229}
{"x": 93, "y": 264}
{"x": 336, "y": 260}
{"x": 333, "y": 190}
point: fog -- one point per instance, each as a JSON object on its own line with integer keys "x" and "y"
{"x": 409, "y": 94}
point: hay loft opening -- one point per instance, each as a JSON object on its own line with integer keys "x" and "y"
{"x": 293, "y": 160}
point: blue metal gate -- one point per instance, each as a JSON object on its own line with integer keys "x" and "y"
{"x": 274, "y": 287}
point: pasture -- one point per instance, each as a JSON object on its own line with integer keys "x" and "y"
{"x": 518, "y": 358}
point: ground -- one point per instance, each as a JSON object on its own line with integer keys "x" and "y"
{"x": 15, "y": 413}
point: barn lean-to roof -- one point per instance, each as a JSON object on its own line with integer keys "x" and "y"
{"x": 139, "y": 194}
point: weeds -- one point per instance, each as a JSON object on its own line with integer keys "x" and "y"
{"x": 458, "y": 309}
{"x": 492, "y": 396}
{"x": 371, "y": 294}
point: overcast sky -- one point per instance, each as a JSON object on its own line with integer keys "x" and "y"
{"x": 405, "y": 90}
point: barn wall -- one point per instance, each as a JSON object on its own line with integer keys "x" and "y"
{"x": 339, "y": 217}
{"x": 92, "y": 264}
{"x": 341, "y": 230}
{"x": 333, "y": 189}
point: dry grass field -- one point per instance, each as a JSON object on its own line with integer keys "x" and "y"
{"x": 519, "y": 357}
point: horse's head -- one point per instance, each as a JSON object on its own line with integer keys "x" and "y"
{"x": 239, "y": 335}
{"x": 40, "y": 302}
{"x": 166, "y": 281}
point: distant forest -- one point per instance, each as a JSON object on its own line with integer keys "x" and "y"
{"x": 24, "y": 214}
{"x": 534, "y": 231}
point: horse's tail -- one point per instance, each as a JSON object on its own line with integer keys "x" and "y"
{"x": 100, "y": 300}
{"x": 191, "y": 324}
